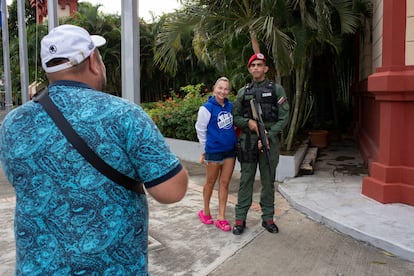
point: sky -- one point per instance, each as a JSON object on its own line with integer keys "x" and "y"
{"x": 158, "y": 7}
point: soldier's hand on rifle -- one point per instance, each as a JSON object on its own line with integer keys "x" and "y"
{"x": 260, "y": 144}
{"x": 253, "y": 126}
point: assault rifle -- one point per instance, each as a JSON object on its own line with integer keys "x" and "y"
{"x": 257, "y": 115}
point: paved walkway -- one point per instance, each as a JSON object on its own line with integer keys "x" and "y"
{"x": 333, "y": 197}
{"x": 326, "y": 228}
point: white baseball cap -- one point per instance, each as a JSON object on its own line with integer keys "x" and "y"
{"x": 68, "y": 41}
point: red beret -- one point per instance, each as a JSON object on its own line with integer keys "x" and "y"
{"x": 254, "y": 57}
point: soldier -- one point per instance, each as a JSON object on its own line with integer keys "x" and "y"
{"x": 275, "y": 111}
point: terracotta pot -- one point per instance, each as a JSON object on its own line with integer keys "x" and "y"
{"x": 319, "y": 138}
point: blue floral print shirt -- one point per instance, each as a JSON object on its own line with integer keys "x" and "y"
{"x": 70, "y": 219}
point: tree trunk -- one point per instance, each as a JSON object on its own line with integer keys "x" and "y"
{"x": 295, "y": 115}
{"x": 295, "y": 123}
{"x": 332, "y": 89}
{"x": 255, "y": 43}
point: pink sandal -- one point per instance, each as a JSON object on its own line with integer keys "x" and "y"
{"x": 223, "y": 224}
{"x": 205, "y": 219}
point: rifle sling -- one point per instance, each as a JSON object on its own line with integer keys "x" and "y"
{"x": 82, "y": 147}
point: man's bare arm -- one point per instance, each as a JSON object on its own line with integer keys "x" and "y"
{"x": 171, "y": 190}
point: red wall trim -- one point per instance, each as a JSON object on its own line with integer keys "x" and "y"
{"x": 394, "y": 24}
{"x": 388, "y": 119}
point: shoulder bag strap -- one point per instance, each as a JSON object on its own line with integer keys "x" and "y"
{"x": 83, "y": 148}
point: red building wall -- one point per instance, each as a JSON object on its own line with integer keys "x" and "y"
{"x": 41, "y": 8}
{"x": 386, "y": 123}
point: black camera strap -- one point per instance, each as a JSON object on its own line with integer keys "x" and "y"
{"x": 82, "y": 147}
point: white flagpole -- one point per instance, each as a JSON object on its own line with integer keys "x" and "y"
{"x": 6, "y": 57}
{"x": 24, "y": 64}
{"x": 130, "y": 51}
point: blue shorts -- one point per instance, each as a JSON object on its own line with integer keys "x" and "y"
{"x": 218, "y": 157}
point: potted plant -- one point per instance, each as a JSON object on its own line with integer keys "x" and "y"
{"x": 318, "y": 138}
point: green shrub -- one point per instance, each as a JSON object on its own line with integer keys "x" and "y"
{"x": 176, "y": 116}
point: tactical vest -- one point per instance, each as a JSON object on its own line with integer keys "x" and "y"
{"x": 265, "y": 96}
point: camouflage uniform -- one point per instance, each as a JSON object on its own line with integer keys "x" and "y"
{"x": 248, "y": 169}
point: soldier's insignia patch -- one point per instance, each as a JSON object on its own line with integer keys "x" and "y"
{"x": 282, "y": 100}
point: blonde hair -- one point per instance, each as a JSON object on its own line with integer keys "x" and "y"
{"x": 222, "y": 79}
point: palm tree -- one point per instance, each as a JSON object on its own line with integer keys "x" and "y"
{"x": 291, "y": 33}
{"x": 108, "y": 25}
{"x": 319, "y": 26}
{"x": 219, "y": 29}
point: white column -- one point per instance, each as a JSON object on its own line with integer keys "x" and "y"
{"x": 24, "y": 65}
{"x": 6, "y": 57}
{"x": 130, "y": 51}
{"x": 52, "y": 16}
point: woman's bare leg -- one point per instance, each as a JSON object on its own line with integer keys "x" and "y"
{"x": 224, "y": 181}
{"x": 212, "y": 172}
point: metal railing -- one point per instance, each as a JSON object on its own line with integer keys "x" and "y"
{"x": 129, "y": 48}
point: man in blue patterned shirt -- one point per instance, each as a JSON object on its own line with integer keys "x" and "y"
{"x": 70, "y": 219}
